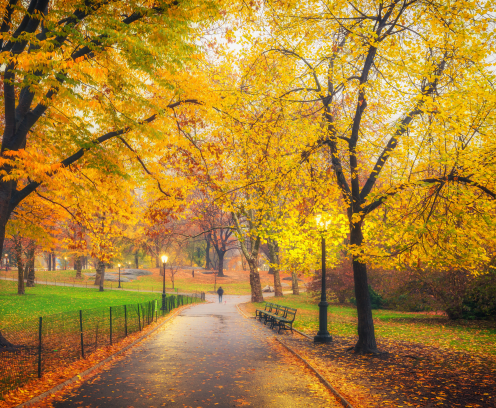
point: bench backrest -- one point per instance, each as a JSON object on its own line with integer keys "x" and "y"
{"x": 290, "y": 313}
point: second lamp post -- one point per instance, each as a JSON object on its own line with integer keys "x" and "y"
{"x": 119, "y": 265}
{"x": 164, "y": 260}
{"x": 323, "y": 335}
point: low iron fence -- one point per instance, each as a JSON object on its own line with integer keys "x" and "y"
{"x": 50, "y": 342}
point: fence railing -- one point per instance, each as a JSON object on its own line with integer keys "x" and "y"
{"x": 49, "y": 342}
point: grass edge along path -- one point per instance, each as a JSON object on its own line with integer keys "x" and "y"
{"x": 406, "y": 374}
{"x": 326, "y": 383}
{"x": 53, "y": 383}
{"x": 474, "y": 337}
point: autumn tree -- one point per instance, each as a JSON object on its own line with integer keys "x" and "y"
{"x": 400, "y": 86}
{"x": 218, "y": 227}
{"x": 78, "y": 74}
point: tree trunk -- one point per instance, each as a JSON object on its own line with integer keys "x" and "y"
{"x": 26, "y": 266}
{"x": 366, "y": 335}
{"x": 54, "y": 262}
{"x": 157, "y": 262}
{"x": 4, "y": 342}
{"x": 30, "y": 264}
{"x": 274, "y": 266}
{"x": 78, "y": 264}
{"x": 220, "y": 255}
{"x": 244, "y": 264}
{"x": 6, "y": 188}
{"x": 49, "y": 261}
{"x": 20, "y": 271}
{"x": 294, "y": 278}
{"x": 208, "y": 264}
{"x": 98, "y": 274}
{"x": 136, "y": 260}
{"x": 256, "y": 286}
{"x": 101, "y": 266}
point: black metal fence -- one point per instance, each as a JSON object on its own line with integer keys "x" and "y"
{"x": 50, "y": 342}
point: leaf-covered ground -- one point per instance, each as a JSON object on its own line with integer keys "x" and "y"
{"x": 421, "y": 364}
{"x": 67, "y": 371}
{"x": 423, "y": 328}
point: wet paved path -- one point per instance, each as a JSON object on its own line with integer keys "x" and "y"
{"x": 208, "y": 356}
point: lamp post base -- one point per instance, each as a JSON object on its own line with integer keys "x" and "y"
{"x": 323, "y": 335}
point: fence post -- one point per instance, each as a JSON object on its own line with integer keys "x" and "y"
{"x": 81, "y": 330}
{"x": 125, "y": 320}
{"x": 110, "y": 325}
{"x": 39, "y": 347}
{"x": 139, "y": 318}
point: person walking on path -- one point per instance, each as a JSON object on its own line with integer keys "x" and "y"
{"x": 220, "y": 292}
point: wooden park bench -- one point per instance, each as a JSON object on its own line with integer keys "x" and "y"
{"x": 277, "y": 315}
{"x": 262, "y": 314}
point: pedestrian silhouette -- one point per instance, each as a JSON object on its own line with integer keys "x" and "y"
{"x": 220, "y": 292}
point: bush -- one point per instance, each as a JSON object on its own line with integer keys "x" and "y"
{"x": 480, "y": 303}
{"x": 376, "y": 300}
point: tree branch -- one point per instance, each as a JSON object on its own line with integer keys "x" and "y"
{"x": 20, "y": 195}
{"x": 401, "y": 129}
{"x": 450, "y": 178}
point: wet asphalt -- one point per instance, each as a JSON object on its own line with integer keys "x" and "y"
{"x": 208, "y": 356}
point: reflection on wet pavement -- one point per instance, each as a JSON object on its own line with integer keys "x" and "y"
{"x": 209, "y": 355}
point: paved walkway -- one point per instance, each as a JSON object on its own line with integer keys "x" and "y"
{"x": 208, "y": 356}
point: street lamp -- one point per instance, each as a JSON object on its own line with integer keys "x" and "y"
{"x": 164, "y": 260}
{"x": 323, "y": 335}
{"x": 119, "y": 265}
{"x": 65, "y": 263}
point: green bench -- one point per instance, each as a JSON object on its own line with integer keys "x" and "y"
{"x": 277, "y": 315}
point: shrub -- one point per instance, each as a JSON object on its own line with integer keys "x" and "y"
{"x": 376, "y": 300}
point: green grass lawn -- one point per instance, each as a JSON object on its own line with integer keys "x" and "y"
{"x": 44, "y": 300}
{"x": 146, "y": 282}
{"x": 437, "y": 331}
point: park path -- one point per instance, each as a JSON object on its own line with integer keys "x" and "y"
{"x": 208, "y": 356}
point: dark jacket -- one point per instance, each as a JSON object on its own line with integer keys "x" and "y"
{"x": 220, "y": 291}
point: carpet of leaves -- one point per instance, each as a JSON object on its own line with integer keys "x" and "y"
{"x": 404, "y": 374}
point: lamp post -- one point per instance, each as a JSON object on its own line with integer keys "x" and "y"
{"x": 164, "y": 260}
{"x": 119, "y": 265}
{"x": 65, "y": 263}
{"x": 323, "y": 335}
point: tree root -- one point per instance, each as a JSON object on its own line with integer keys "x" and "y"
{"x": 373, "y": 353}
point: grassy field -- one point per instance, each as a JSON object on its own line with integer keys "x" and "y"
{"x": 43, "y": 300}
{"x": 437, "y": 331}
{"x": 183, "y": 282}
{"x": 152, "y": 282}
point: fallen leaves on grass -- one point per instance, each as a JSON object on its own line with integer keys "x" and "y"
{"x": 405, "y": 374}
{"x": 54, "y": 378}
